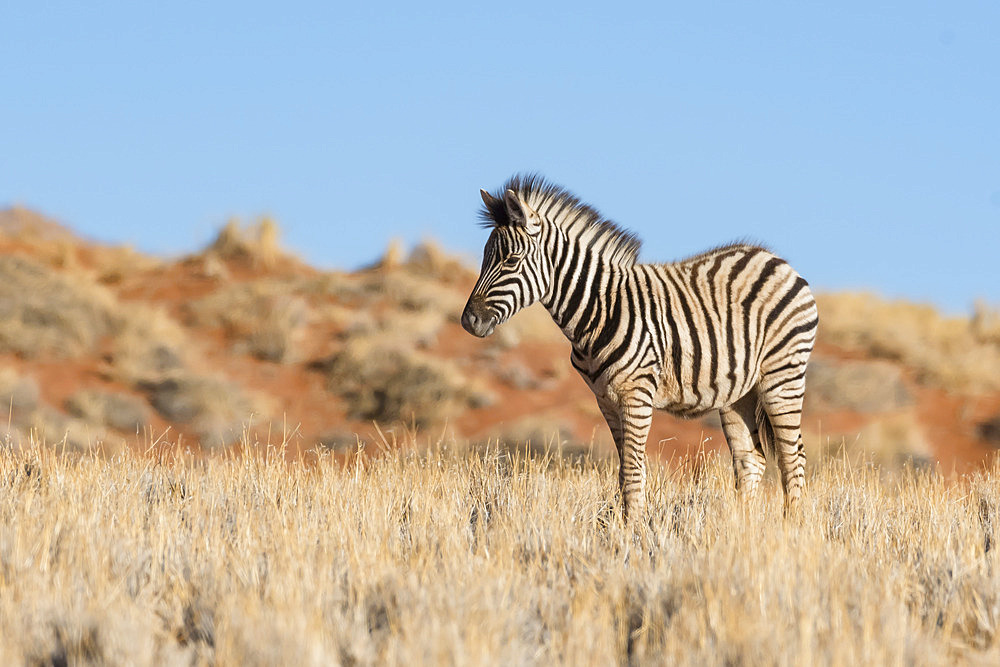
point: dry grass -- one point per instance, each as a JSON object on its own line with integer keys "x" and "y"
{"x": 959, "y": 354}
{"x": 890, "y": 441}
{"x": 444, "y": 558}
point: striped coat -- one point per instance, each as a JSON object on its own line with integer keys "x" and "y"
{"x": 730, "y": 329}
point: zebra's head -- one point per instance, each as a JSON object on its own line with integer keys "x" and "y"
{"x": 515, "y": 272}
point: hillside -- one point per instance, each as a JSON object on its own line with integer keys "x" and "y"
{"x": 242, "y": 343}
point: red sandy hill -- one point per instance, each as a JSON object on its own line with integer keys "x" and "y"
{"x": 243, "y": 343}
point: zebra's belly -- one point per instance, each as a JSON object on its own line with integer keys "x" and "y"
{"x": 680, "y": 408}
{"x": 693, "y": 400}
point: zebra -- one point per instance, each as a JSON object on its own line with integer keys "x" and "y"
{"x": 730, "y": 329}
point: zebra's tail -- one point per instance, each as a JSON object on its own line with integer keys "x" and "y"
{"x": 764, "y": 430}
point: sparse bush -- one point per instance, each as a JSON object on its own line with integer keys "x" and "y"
{"x": 858, "y": 386}
{"x": 148, "y": 347}
{"x": 345, "y": 289}
{"x": 989, "y": 430}
{"x": 216, "y": 410}
{"x": 18, "y": 395}
{"x": 431, "y": 260}
{"x": 950, "y": 352}
{"x": 29, "y": 418}
{"x": 390, "y": 383}
{"x": 414, "y": 293}
{"x": 118, "y": 411}
{"x": 43, "y": 312}
{"x": 986, "y": 323}
{"x": 266, "y": 317}
{"x": 257, "y": 244}
{"x": 518, "y": 376}
{"x": 24, "y": 224}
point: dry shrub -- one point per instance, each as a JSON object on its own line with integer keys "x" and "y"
{"x": 43, "y": 312}
{"x": 266, "y": 317}
{"x": 215, "y": 409}
{"x": 385, "y": 381}
{"x": 122, "y": 412}
{"x": 30, "y": 419}
{"x": 19, "y": 396}
{"x": 429, "y": 259}
{"x": 989, "y": 430}
{"x": 986, "y": 323}
{"x": 425, "y": 282}
{"x": 52, "y": 244}
{"x": 148, "y": 345}
{"x": 858, "y": 386}
{"x": 24, "y": 224}
{"x": 383, "y": 301}
{"x": 394, "y": 304}
{"x": 346, "y": 289}
{"x": 392, "y": 258}
{"x": 48, "y": 241}
{"x": 414, "y": 328}
{"x": 517, "y": 375}
{"x": 950, "y": 352}
{"x": 414, "y": 293}
{"x": 257, "y": 243}
{"x": 113, "y": 264}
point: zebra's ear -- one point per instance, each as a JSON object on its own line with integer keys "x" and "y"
{"x": 488, "y": 199}
{"x": 520, "y": 213}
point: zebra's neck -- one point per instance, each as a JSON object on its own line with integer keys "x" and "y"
{"x": 581, "y": 281}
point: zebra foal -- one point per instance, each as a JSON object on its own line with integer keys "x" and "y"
{"x": 730, "y": 329}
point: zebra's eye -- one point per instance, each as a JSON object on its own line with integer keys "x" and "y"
{"x": 512, "y": 261}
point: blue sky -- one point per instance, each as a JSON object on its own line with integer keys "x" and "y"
{"x": 861, "y": 140}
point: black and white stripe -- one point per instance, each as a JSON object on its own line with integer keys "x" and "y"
{"x": 730, "y": 329}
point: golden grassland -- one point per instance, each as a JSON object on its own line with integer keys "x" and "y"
{"x": 437, "y": 555}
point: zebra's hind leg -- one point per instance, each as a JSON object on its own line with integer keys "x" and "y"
{"x": 781, "y": 399}
{"x": 740, "y": 427}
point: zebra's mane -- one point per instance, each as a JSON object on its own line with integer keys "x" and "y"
{"x": 578, "y": 220}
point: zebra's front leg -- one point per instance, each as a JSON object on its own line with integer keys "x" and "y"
{"x": 629, "y": 416}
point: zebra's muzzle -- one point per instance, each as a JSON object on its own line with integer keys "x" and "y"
{"x": 478, "y": 321}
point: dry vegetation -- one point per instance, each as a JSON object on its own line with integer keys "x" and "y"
{"x": 43, "y": 312}
{"x": 481, "y": 551}
{"x": 959, "y": 354}
{"x": 265, "y": 318}
{"x": 392, "y": 383}
{"x": 442, "y": 557}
